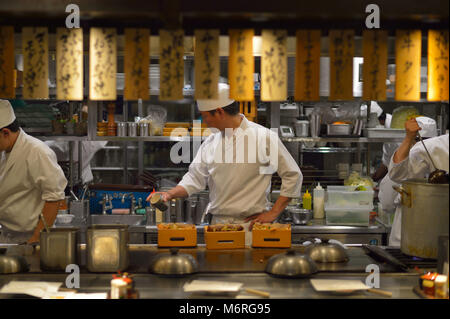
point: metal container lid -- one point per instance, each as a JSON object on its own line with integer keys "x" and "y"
{"x": 291, "y": 264}
{"x": 13, "y": 264}
{"x": 173, "y": 264}
{"x": 326, "y": 252}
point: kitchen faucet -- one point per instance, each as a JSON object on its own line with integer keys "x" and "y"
{"x": 133, "y": 202}
{"x": 106, "y": 203}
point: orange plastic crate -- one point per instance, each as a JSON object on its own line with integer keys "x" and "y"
{"x": 275, "y": 238}
{"x": 177, "y": 237}
{"x": 225, "y": 239}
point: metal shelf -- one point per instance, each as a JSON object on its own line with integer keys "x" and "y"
{"x": 332, "y": 150}
{"x": 118, "y": 168}
{"x": 149, "y": 138}
{"x": 342, "y": 139}
{"x": 61, "y": 138}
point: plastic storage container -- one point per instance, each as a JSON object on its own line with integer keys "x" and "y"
{"x": 346, "y": 196}
{"x": 348, "y": 216}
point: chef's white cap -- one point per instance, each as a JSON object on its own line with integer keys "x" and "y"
{"x": 428, "y": 126}
{"x": 7, "y": 115}
{"x": 222, "y": 101}
{"x": 374, "y": 108}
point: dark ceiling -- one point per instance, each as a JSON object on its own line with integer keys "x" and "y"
{"x": 291, "y": 15}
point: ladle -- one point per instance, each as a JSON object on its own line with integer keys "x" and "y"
{"x": 438, "y": 176}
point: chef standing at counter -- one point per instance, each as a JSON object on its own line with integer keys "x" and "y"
{"x": 411, "y": 161}
{"x": 31, "y": 181}
{"x": 238, "y": 190}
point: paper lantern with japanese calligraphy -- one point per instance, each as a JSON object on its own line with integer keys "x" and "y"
{"x": 375, "y": 65}
{"x": 341, "y": 64}
{"x": 241, "y": 64}
{"x": 274, "y": 65}
{"x": 102, "y": 64}
{"x": 408, "y": 46}
{"x": 35, "y": 62}
{"x": 207, "y": 64}
{"x": 69, "y": 64}
{"x": 136, "y": 64}
{"x": 7, "y": 84}
{"x": 438, "y": 63}
{"x": 307, "y": 65}
{"x": 171, "y": 64}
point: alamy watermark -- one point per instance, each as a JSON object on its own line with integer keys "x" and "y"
{"x": 254, "y": 145}
{"x": 373, "y": 19}
{"x": 373, "y": 280}
{"x": 73, "y": 19}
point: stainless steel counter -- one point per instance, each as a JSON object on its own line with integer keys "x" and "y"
{"x": 152, "y": 286}
{"x": 241, "y": 265}
{"x": 374, "y": 234}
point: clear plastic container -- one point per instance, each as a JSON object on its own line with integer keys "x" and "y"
{"x": 346, "y": 196}
{"x": 348, "y": 216}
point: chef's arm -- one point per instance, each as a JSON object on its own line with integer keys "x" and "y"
{"x": 408, "y": 142}
{"x": 177, "y": 192}
{"x": 280, "y": 204}
{"x": 49, "y": 211}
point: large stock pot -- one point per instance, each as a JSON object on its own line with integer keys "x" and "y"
{"x": 425, "y": 213}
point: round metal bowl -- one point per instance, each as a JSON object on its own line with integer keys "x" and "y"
{"x": 326, "y": 252}
{"x": 291, "y": 264}
{"x": 173, "y": 264}
{"x": 300, "y": 216}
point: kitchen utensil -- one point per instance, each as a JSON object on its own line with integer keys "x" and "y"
{"x": 13, "y": 264}
{"x": 291, "y": 264}
{"x": 221, "y": 288}
{"x": 302, "y": 128}
{"x": 420, "y": 231}
{"x": 314, "y": 124}
{"x": 326, "y": 252}
{"x": 143, "y": 129}
{"x": 381, "y": 255}
{"x": 64, "y": 219}
{"x": 443, "y": 252}
{"x": 438, "y": 176}
{"x": 58, "y": 248}
{"x": 339, "y": 129}
{"x": 157, "y": 201}
{"x": 300, "y": 216}
{"x": 44, "y": 222}
{"x": 121, "y": 128}
{"x": 132, "y": 129}
{"x": 345, "y": 287}
{"x": 107, "y": 248}
{"x": 173, "y": 264}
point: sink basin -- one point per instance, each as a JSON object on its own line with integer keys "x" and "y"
{"x": 132, "y": 220}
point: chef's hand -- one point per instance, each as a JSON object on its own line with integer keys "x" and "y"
{"x": 412, "y": 127}
{"x": 265, "y": 217}
{"x": 165, "y": 196}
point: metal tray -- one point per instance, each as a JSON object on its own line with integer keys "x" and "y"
{"x": 384, "y": 132}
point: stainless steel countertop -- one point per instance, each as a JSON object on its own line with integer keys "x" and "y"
{"x": 240, "y": 265}
{"x": 315, "y": 226}
{"x": 152, "y": 286}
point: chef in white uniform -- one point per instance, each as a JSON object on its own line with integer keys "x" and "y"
{"x": 411, "y": 161}
{"x": 239, "y": 185}
{"x": 88, "y": 150}
{"x": 31, "y": 181}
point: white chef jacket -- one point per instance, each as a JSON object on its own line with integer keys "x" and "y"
{"x": 239, "y": 189}
{"x": 88, "y": 150}
{"x": 416, "y": 165}
{"x": 29, "y": 176}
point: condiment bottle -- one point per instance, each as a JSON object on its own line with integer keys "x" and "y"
{"x": 307, "y": 200}
{"x": 440, "y": 287}
{"x": 319, "y": 202}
